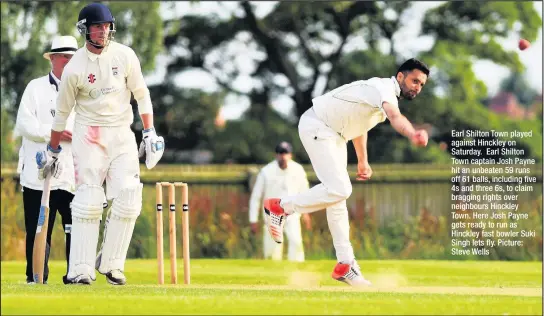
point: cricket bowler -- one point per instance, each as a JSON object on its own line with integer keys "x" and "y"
{"x": 343, "y": 114}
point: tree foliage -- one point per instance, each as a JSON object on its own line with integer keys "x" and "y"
{"x": 249, "y": 140}
{"x": 469, "y": 31}
{"x": 298, "y": 50}
{"x": 517, "y": 84}
{"x": 301, "y": 50}
{"x": 185, "y": 117}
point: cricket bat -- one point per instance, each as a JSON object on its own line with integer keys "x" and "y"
{"x": 40, "y": 240}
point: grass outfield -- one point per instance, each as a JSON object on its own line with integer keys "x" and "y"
{"x": 265, "y": 287}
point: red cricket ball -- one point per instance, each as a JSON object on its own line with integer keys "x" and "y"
{"x": 523, "y": 44}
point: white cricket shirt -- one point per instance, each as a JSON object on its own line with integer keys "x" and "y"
{"x": 99, "y": 87}
{"x": 34, "y": 120}
{"x": 353, "y": 109}
{"x": 274, "y": 182}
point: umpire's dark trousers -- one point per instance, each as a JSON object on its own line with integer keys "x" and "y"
{"x": 59, "y": 200}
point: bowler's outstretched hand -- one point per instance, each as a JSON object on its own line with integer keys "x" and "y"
{"x": 364, "y": 172}
{"x": 420, "y": 138}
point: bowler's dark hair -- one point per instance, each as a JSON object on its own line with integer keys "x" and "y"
{"x": 412, "y": 64}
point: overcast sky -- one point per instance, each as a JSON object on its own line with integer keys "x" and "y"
{"x": 488, "y": 72}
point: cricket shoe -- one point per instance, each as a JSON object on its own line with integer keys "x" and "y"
{"x": 34, "y": 282}
{"x": 350, "y": 274}
{"x": 116, "y": 277}
{"x": 65, "y": 279}
{"x": 80, "y": 279}
{"x": 275, "y": 219}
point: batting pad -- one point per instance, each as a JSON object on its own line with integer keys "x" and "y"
{"x": 86, "y": 213}
{"x": 87, "y": 202}
{"x": 83, "y": 247}
{"x": 129, "y": 202}
{"x": 119, "y": 228}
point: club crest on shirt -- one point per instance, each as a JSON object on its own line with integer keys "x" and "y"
{"x": 95, "y": 93}
{"x": 92, "y": 78}
{"x": 52, "y": 111}
{"x": 115, "y": 70}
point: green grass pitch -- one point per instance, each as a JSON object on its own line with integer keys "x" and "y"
{"x": 238, "y": 287}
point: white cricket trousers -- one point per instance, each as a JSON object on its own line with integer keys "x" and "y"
{"x": 105, "y": 153}
{"x": 293, "y": 233}
{"x": 101, "y": 153}
{"x": 328, "y": 154}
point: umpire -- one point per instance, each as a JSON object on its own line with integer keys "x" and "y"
{"x": 34, "y": 121}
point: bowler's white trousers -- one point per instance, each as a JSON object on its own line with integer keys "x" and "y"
{"x": 328, "y": 154}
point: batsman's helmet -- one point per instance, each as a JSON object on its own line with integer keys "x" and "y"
{"x": 95, "y": 13}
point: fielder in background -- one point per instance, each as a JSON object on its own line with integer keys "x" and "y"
{"x": 283, "y": 176}
{"x": 34, "y": 121}
{"x": 98, "y": 81}
{"x": 344, "y": 114}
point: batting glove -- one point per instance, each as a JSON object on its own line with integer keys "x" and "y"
{"x": 48, "y": 162}
{"x": 152, "y": 146}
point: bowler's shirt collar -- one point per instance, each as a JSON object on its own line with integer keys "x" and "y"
{"x": 397, "y": 86}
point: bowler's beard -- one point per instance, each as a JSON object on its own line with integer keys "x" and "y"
{"x": 405, "y": 92}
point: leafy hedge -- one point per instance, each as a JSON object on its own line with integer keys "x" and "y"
{"x": 410, "y": 221}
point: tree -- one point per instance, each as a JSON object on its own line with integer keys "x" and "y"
{"x": 246, "y": 141}
{"x": 468, "y": 31}
{"x": 517, "y": 84}
{"x": 300, "y": 50}
{"x": 184, "y": 117}
{"x": 295, "y": 46}
{"x": 7, "y": 152}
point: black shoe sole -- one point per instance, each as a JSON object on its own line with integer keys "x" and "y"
{"x": 71, "y": 282}
{"x": 113, "y": 281}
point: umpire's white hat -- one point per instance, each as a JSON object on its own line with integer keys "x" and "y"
{"x": 62, "y": 45}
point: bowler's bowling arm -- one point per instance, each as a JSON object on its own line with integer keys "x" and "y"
{"x": 399, "y": 122}
{"x": 359, "y": 143}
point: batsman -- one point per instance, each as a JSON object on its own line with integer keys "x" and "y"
{"x": 97, "y": 83}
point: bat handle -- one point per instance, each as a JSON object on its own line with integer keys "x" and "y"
{"x": 46, "y": 190}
